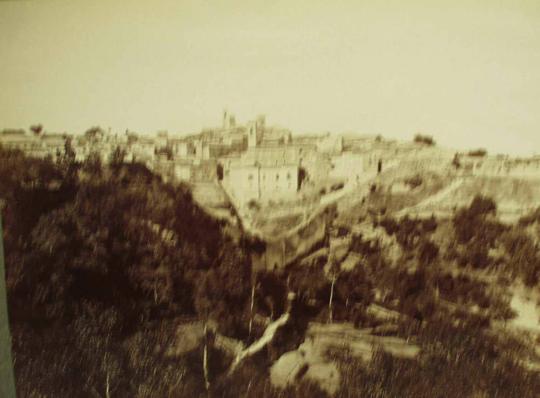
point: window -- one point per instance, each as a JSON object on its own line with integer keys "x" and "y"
{"x": 288, "y": 176}
{"x": 277, "y": 176}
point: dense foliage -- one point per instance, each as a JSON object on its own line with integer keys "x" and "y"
{"x": 424, "y": 139}
{"x": 96, "y": 257}
{"x": 105, "y": 262}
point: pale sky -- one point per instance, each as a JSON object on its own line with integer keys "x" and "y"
{"x": 466, "y": 72}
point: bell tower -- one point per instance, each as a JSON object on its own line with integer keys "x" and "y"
{"x": 225, "y": 123}
{"x": 252, "y": 134}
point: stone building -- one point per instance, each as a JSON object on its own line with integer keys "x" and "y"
{"x": 348, "y": 166}
{"x": 20, "y": 140}
{"x": 264, "y": 174}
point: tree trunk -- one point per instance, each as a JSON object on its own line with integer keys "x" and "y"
{"x": 205, "y": 357}
{"x": 107, "y": 388}
{"x": 251, "y": 307}
{"x": 330, "y": 307}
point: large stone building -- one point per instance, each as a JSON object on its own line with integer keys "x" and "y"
{"x": 263, "y": 174}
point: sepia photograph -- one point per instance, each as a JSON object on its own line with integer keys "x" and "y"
{"x": 269, "y": 199}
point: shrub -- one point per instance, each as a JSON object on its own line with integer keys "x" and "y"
{"x": 427, "y": 252}
{"x": 414, "y": 182}
{"x": 478, "y": 152}
{"x": 424, "y": 139}
{"x": 253, "y": 205}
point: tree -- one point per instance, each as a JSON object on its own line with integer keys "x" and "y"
{"x": 67, "y": 159}
{"x": 424, "y": 140}
{"x": 271, "y": 294}
{"x": 525, "y": 259}
{"x": 224, "y": 292}
{"x": 455, "y": 161}
{"x": 427, "y": 252}
{"x": 219, "y": 171}
{"x": 94, "y": 135}
{"x": 477, "y": 153}
{"x": 471, "y": 221}
{"x": 37, "y": 129}
{"x": 93, "y": 164}
{"x": 333, "y": 275}
{"x": 117, "y": 157}
{"x": 302, "y": 176}
{"x": 309, "y": 283}
{"x": 482, "y": 206}
{"x": 94, "y": 260}
{"x": 355, "y": 291}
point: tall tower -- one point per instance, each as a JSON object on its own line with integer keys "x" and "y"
{"x": 225, "y": 124}
{"x": 261, "y": 123}
{"x": 252, "y": 134}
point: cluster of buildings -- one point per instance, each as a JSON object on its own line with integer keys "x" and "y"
{"x": 95, "y": 140}
{"x": 38, "y": 145}
{"x": 252, "y": 161}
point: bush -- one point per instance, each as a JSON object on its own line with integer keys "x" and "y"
{"x": 478, "y": 152}
{"x": 424, "y": 139}
{"x": 408, "y": 231}
{"x": 414, "y": 182}
{"x": 471, "y": 222}
{"x": 253, "y": 205}
{"x": 530, "y": 218}
{"x": 427, "y": 252}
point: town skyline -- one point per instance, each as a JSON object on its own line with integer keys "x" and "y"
{"x": 465, "y": 74}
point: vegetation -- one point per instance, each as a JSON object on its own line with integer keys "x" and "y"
{"x": 105, "y": 261}
{"x": 478, "y": 153}
{"x": 94, "y": 263}
{"x": 455, "y": 362}
{"x": 414, "y": 181}
{"x": 424, "y": 139}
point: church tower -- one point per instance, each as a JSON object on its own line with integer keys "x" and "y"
{"x": 252, "y": 134}
{"x": 225, "y": 123}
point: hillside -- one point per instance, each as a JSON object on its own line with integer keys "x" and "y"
{"x": 102, "y": 263}
{"x": 514, "y": 196}
{"x": 131, "y": 285}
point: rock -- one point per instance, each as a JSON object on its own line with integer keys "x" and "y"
{"x": 286, "y": 368}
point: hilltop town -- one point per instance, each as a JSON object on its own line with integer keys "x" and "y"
{"x": 247, "y": 257}
{"x": 257, "y": 164}
{"x": 269, "y": 199}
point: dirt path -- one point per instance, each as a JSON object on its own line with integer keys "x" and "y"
{"x": 433, "y": 199}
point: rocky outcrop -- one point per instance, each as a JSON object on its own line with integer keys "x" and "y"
{"x": 310, "y": 361}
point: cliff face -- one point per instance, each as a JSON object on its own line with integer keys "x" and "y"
{"x": 297, "y": 242}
